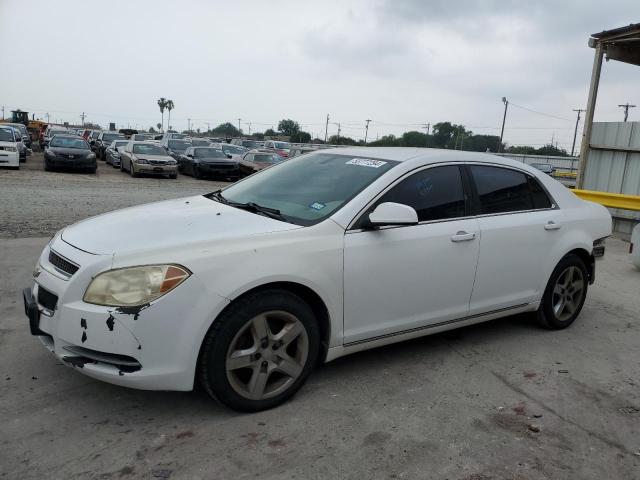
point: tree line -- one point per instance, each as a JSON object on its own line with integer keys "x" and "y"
{"x": 443, "y": 135}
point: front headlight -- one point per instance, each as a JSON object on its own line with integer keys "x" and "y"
{"x": 91, "y": 156}
{"x": 134, "y": 286}
{"x": 10, "y": 149}
{"x": 140, "y": 161}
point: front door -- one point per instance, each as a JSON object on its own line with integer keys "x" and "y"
{"x": 402, "y": 278}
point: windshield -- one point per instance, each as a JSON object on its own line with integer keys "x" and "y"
{"x": 6, "y": 135}
{"x": 178, "y": 145}
{"x": 68, "y": 142}
{"x": 267, "y": 158}
{"x": 234, "y": 150}
{"x": 252, "y": 144}
{"x": 95, "y": 134}
{"x": 208, "y": 153}
{"x": 308, "y": 189}
{"x": 146, "y": 149}
{"x": 110, "y": 137}
{"x": 177, "y": 135}
{"x": 282, "y": 145}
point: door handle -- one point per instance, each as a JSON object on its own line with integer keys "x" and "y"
{"x": 463, "y": 236}
{"x": 551, "y": 225}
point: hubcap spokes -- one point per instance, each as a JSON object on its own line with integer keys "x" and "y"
{"x": 567, "y": 293}
{"x": 267, "y": 355}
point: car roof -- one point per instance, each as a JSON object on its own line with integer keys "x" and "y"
{"x": 68, "y": 135}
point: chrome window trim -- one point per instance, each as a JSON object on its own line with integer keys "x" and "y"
{"x": 554, "y": 204}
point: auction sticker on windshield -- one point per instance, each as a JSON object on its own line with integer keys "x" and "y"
{"x": 366, "y": 162}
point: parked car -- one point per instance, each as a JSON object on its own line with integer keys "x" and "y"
{"x": 20, "y": 141}
{"x": 235, "y": 151}
{"x": 104, "y": 140}
{"x": 9, "y": 155}
{"x": 246, "y": 289}
{"x": 141, "y": 137}
{"x": 201, "y": 162}
{"x": 545, "y": 167}
{"x": 200, "y": 142}
{"x": 26, "y": 136}
{"x": 281, "y": 148}
{"x": 174, "y": 136}
{"x": 147, "y": 158}
{"x": 50, "y": 132}
{"x": 175, "y": 148}
{"x": 69, "y": 152}
{"x": 93, "y": 136}
{"x": 246, "y": 143}
{"x": 634, "y": 246}
{"x": 256, "y": 160}
{"x": 112, "y": 154}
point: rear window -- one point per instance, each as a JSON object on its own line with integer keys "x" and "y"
{"x": 267, "y": 158}
{"x": 110, "y": 137}
{"x": 178, "y": 145}
{"x": 501, "y": 189}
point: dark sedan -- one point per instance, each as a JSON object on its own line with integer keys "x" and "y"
{"x": 112, "y": 153}
{"x": 104, "y": 140}
{"x": 69, "y": 152}
{"x": 203, "y": 162}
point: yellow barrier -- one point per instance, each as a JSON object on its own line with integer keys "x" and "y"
{"x": 611, "y": 200}
{"x": 565, "y": 174}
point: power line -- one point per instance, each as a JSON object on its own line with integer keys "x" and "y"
{"x": 541, "y": 113}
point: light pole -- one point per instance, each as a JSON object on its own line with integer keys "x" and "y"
{"x": 326, "y": 129}
{"x": 504, "y": 118}
{"x": 366, "y": 131}
{"x": 239, "y": 131}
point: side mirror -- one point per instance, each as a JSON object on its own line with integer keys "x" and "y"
{"x": 390, "y": 213}
{"x": 229, "y": 156}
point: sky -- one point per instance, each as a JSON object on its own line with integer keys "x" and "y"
{"x": 400, "y": 63}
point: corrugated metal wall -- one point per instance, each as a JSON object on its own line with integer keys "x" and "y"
{"x": 613, "y": 165}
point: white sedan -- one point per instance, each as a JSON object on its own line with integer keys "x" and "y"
{"x": 246, "y": 289}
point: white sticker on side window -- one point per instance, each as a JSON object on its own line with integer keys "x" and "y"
{"x": 366, "y": 162}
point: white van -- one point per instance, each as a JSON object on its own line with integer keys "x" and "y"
{"x": 9, "y": 156}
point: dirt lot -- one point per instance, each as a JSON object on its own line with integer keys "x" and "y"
{"x": 26, "y": 194}
{"x": 500, "y": 400}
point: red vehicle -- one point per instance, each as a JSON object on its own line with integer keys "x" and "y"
{"x": 281, "y": 148}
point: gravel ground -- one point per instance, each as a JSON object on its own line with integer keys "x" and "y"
{"x": 67, "y": 197}
{"x": 496, "y": 401}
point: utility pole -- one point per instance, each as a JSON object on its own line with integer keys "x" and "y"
{"x": 626, "y": 107}
{"x": 188, "y": 125}
{"x": 338, "y": 136}
{"x": 249, "y": 128}
{"x": 504, "y": 118}
{"x": 366, "y": 132}
{"x": 3, "y": 113}
{"x": 575, "y": 133}
{"x": 47, "y": 117}
{"x": 208, "y": 126}
{"x": 326, "y": 129}
{"x": 239, "y": 124}
{"x": 82, "y": 117}
{"x": 427, "y": 126}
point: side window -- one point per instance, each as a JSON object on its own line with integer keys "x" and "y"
{"x": 501, "y": 189}
{"x": 435, "y": 193}
{"x": 249, "y": 157}
{"x": 540, "y": 197}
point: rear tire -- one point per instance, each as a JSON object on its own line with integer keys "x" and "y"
{"x": 259, "y": 351}
{"x": 565, "y": 294}
{"x": 196, "y": 173}
{"x": 47, "y": 167}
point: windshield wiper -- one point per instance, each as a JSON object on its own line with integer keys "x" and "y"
{"x": 249, "y": 206}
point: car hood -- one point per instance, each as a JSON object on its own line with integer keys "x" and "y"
{"x": 170, "y": 223}
{"x": 166, "y": 158}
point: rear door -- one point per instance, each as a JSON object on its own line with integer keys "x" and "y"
{"x": 411, "y": 277}
{"x": 518, "y": 226}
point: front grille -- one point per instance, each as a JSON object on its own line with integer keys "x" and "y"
{"x": 62, "y": 263}
{"x": 157, "y": 162}
{"x": 220, "y": 166}
{"x": 83, "y": 355}
{"x": 47, "y": 299}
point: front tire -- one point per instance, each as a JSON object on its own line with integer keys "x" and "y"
{"x": 132, "y": 171}
{"x": 260, "y": 350}
{"x": 565, "y": 294}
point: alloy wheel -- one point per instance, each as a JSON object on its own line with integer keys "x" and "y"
{"x": 568, "y": 293}
{"x": 267, "y": 355}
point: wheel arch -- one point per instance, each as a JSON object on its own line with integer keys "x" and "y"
{"x": 587, "y": 258}
{"x": 311, "y": 297}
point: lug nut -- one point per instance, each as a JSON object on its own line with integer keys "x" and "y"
{"x": 265, "y": 364}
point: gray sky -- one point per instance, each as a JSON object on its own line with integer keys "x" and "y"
{"x": 400, "y": 63}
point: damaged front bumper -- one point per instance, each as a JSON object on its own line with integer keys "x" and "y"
{"x": 152, "y": 347}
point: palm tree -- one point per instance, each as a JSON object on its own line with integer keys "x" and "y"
{"x": 162, "y": 103}
{"x": 169, "y": 106}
